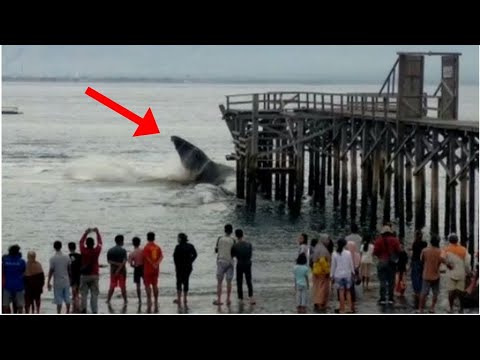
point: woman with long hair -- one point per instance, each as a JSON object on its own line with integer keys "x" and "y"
{"x": 366, "y": 260}
{"x": 342, "y": 270}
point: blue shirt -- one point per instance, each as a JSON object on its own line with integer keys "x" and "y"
{"x": 301, "y": 273}
{"x": 13, "y": 268}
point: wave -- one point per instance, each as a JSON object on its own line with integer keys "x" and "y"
{"x": 106, "y": 169}
{"x": 7, "y": 155}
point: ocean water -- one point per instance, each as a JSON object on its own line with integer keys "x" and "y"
{"x": 69, "y": 163}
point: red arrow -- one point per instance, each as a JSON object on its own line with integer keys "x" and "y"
{"x": 146, "y": 125}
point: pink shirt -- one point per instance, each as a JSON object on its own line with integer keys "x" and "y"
{"x": 136, "y": 257}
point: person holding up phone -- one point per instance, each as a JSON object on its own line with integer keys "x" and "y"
{"x": 89, "y": 271}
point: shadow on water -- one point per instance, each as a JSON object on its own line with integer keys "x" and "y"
{"x": 112, "y": 310}
{"x": 271, "y": 216}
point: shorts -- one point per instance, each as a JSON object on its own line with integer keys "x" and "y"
{"x": 61, "y": 295}
{"x": 137, "y": 274}
{"x": 15, "y": 297}
{"x": 431, "y": 284}
{"x": 150, "y": 279}
{"x": 224, "y": 268}
{"x": 455, "y": 284}
{"x": 343, "y": 283}
{"x": 117, "y": 280}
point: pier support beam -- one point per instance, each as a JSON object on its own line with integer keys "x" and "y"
{"x": 316, "y": 175}
{"x": 299, "y": 165}
{"x": 252, "y": 162}
{"x": 463, "y": 194}
{"x": 365, "y": 175}
{"x": 336, "y": 169}
{"x": 353, "y": 174}
{"x": 453, "y": 196}
{"x": 387, "y": 175}
{"x": 241, "y": 162}
{"x": 374, "y": 183}
{"x": 419, "y": 182}
{"x": 434, "y": 228}
{"x": 472, "y": 219}
{"x": 344, "y": 160}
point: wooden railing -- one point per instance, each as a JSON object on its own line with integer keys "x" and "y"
{"x": 332, "y": 103}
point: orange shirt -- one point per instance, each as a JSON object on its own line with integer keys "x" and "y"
{"x": 151, "y": 252}
{"x": 432, "y": 258}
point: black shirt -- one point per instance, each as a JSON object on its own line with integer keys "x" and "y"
{"x": 417, "y": 248}
{"x": 242, "y": 250}
{"x": 117, "y": 254}
{"x": 184, "y": 255}
{"x": 76, "y": 260}
{"x": 402, "y": 261}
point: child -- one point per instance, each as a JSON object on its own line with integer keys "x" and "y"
{"x": 366, "y": 262}
{"x": 301, "y": 272}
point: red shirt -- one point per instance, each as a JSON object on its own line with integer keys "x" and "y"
{"x": 90, "y": 256}
{"x": 385, "y": 246}
{"x": 152, "y": 253}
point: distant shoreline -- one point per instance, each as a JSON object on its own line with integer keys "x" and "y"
{"x": 196, "y": 81}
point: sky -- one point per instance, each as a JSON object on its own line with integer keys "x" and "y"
{"x": 342, "y": 63}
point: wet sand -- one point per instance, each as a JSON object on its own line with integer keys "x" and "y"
{"x": 278, "y": 300}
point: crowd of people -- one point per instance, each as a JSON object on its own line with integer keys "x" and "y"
{"x": 342, "y": 266}
{"x": 74, "y": 278}
{"x": 347, "y": 264}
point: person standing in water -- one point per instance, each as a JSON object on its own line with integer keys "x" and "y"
{"x": 300, "y": 273}
{"x": 152, "y": 257}
{"x": 386, "y": 249}
{"x": 75, "y": 265}
{"x": 432, "y": 259}
{"x": 135, "y": 259}
{"x": 458, "y": 265}
{"x": 366, "y": 260}
{"x": 89, "y": 271}
{"x": 61, "y": 273}
{"x": 223, "y": 249}
{"x": 242, "y": 251}
{"x": 34, "y": 283}
{"x": 416, "y": 266}
{"x": 183, "y": 257}
{"x": 322, "y": 258}
{"x": 303, "y": 245}
{"x": 342, "y": 271}
{"x": 356, "y": 257}
{"x": 117, "y": 258}
{"x": 13, "y": 288}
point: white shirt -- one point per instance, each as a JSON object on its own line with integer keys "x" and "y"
{"x": 367, "y": 256}
{"x": 342, "y": 265}
{"x": 224, "y": 248}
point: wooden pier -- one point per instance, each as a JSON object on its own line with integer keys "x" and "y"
{"x": 377, "y": 151}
